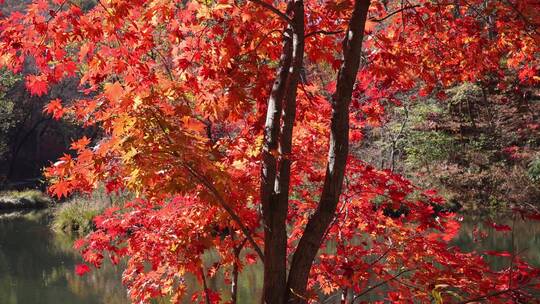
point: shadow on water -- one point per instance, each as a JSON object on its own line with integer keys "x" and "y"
{"x": 37, "y": 265}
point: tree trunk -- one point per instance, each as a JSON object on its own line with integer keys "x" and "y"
{"x": 274, "y": 214}
{"x": 276, "y": 163}
{"x": 317, "y": 225}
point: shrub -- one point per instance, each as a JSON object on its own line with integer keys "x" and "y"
{"x": 534, "y": 170}
{"x": 423, "y": 148}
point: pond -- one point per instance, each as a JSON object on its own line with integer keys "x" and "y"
{"x": 37, "y": 265}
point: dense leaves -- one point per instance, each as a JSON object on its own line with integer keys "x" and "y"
{"x": 180, "y": 89}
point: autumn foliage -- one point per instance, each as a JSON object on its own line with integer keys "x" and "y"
{"x": 218, "y": 114}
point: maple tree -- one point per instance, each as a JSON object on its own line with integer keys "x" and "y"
{"x": 231, "y": 121}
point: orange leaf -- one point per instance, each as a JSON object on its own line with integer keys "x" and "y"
{"x": 55, "y": 108}
{"x": 80, "y": 144}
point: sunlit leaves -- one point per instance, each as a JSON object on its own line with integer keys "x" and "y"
{"x": 80, "y": 144}
{"x": 37, "y": 84}
{"x": 55, "y": 108}
{"x": 113, "y": 91}
{"x": 178, "y": 91}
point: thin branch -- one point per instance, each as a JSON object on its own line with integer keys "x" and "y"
{"x": 315, "y": 229}
{"x": 381, "y": 283}
{"x": 227, "y": 208}
{"x": 234, "y": 284}
{"x": 215, "y": 193}
{"x": 533, "y": 25}
{"x": 205, "y": 285}
{"x": 393, "y": 13}
{"x": 274, "y": 10}
{"x": 493, "y": 294}
{"x": 322, "y": 32}
{"x": 260, "y": 42}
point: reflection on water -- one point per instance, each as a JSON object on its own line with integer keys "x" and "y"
{"x": 37, "y": 265}
{"x": 525, "y": 240}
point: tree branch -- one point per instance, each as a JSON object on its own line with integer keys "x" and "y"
{"x": 227, "y": 208}
{"x": 215, "y": 193}
{"x": 319, "y": 222}
{"x": 205, "y": 285}
{"x": 381, "y": 283}
{"x": 322, "y": 32}
{"x": 276, "y": 170}
{"x": 493, "y": 294}
{"x": 275, "y": 235}
{"x": 274, "y": 10}
{"x": 528, "y": 22}
{"x": 393, "y": 13}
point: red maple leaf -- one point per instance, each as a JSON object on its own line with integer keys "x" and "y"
{"x": 37, "y": 84}
{"x": 81, "y": 269}
{"x": 55, "y": 108}
{"x": 80, "y": 144}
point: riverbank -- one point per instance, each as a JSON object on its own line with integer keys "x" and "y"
{"x": 23, "y": 200}
{"x": 76, "y": 216}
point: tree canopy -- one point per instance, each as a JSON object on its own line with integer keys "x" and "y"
{"x": 232, "y": 120}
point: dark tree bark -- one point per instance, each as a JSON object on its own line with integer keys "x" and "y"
{"x": 274, "y": 231}
{"x": 277, "y": 147}
{"x": 275, "y": 178}
{"x": 317, "y": 225}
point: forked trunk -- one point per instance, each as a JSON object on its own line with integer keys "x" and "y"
{"x": 275, "y": 174}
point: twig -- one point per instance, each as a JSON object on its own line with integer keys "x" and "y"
{"x": 205, "y": 286}
{"x": 533, "y": 25}
{"x": 274, "y": 10}
{"x": 381, "y": 283}
{"x": 215, "y": 193}
{"x": 393, "y": 13}
{"x": 322, "y": 32}
{"x": 491, "y": 295}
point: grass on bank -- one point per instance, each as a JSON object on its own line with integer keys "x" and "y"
{"x": 76, "y": 215}
{"x": 26, "y": 199}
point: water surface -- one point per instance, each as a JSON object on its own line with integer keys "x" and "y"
{"x": 37, "y": 265}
